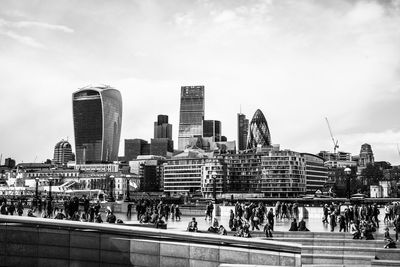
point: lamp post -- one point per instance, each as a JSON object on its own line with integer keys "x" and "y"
{"x": 37, "y": 191}
{"x": 49, "y": 205}
{"x": 111, "y": 195}
{"x": 347, "y": 171}
{"x": 50, "y": 185}
{"x": 127, "y": 198}
{"x": 214, "y": 177}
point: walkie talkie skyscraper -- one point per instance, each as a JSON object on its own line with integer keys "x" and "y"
{"x": 97, "y": 112}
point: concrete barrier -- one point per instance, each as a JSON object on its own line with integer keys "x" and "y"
{"x": 28, "y": 241}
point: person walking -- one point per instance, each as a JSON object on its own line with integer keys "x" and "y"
{"x": 325, "y": 212}
{"x": 11, "y": 208}
{"x": 342, "y": 223}
{"x": 129, "y": 211}
{"x": 397, "y": 227}
{"x": 268, "y": 229}
{"x": 332, "y": 221}
{"x": 20, "y": 208}
{"x": 177, "y": 213}
{"x": 270, "y": 218}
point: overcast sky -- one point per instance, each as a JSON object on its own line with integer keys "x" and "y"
{"x": 297, "y": 61}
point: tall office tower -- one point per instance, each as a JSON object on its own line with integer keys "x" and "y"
{"x": 212, "y": 129}
{"x": 243, "y": 129}
{"x": 9, "y": 163}
{"x": 136, "y": 147}
{"x": 97, "y": 112}
{"x": 258, "y": 132}
{"x": 366, "y": 155}
{"x": 62, "y": 153}
{"x": 191, "y": 114}
{"x": 162, "y": 129}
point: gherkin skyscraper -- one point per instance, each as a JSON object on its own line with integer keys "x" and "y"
{"x": 258, "y": 132}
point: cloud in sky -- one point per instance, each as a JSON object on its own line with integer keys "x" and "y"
{"x": 8, "y": 28}
{"x": 298, "y": 61}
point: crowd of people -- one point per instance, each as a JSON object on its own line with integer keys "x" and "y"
{"x": 9, "y": 209}
{"x": 360, "y": 220}
{"x": 156, "y": 212}
{"x": 68, "y": 210}
{"x": 249, "y": 217}
{"x": 366, "y": 214}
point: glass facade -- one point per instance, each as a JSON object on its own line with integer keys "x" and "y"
{"x": 258, "y": 132}
{"x": 191, "y": 114}
{"x": 243, "y": 129}
{"x": 212, "y": 129}
{"x": 136, "y": 147}
{"x": 244, "y": 172}
{"x": 97, "y": 113}
{"x": 162, "y": 129}
{"x": 161, "y": 147}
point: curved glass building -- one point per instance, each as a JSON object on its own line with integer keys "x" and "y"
{"x": 97, "y": 113}
{"x": 258, "y": 134}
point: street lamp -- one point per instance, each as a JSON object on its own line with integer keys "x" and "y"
{"x": 127, "y": 198}
{"x": 214, "y": 177}
{"x": 37, "y": 191}
{"x": 110, "y": 196}
{"x": 50, "y": 185}
{"x": 49, "y": 206}
{"x": 347, "y": 171}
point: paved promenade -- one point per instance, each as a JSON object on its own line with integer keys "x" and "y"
{"x": 313, "y": 224}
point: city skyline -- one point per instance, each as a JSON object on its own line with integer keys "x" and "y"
{"x": 342, "y": 62}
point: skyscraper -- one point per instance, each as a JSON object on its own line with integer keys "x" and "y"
{"x": 136, "y": 147}
{"x": 97, "y": 112}
{"x": 258, "y": 132}
{"x": 191, "y": 114}
{"x": 162, "y": 129}
{"x": 62, "y": 153}
{"x": 243, "y": 129}
{"x": 212, "y": 128}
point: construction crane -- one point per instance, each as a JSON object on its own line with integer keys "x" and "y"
{"x": 335, "y": 142}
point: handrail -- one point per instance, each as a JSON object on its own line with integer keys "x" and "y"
{"x": 154, "y": 234}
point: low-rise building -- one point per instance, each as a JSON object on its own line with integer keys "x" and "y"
{"x": 112, "y": 167}
{"x": 316, "y": 173}
{"x": 283, "y": 174}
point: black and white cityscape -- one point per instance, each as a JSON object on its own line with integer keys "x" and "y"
{"x": 200, "y": 133}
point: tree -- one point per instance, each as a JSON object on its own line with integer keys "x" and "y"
{"x": 371, "y": 175}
